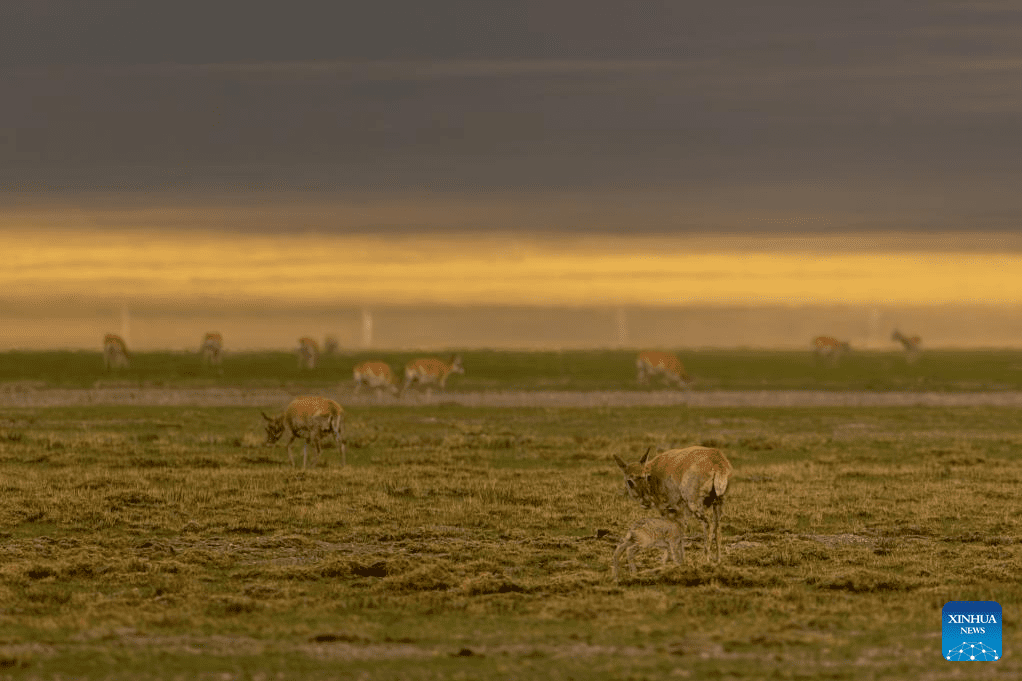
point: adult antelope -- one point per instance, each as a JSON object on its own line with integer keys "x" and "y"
{"x": 308, "y": 418}
{"x": 694, "y": 479}
{"x": 664, "y": 364}
{"x": 910, "y": 343}
{"x": 308, "y": 353}
{"x": 832, "y": 348}
{"x": 212, "y": 349}
{"x": 429, "y": 370}
{"x": 115, "y": 352}
{"x": 376, "y": 375}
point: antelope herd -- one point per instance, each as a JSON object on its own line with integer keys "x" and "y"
{"x": 677, "y": 483}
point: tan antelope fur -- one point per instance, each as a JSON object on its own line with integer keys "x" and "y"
{"x": 429, "y": 370}
{"x": 212, "y": 349}
{"x": 910, "y": 343}
{"x": 694, "y": 479}
{"x": 308, "y": 418}
{"x": 648, "y": 533}
{"x": 826, "y": 346}
{"x": 308, "y": 353}
{"x": 376, "y": 375}
{"x": 664, "y": 364}
{"x": 115, "y": 352}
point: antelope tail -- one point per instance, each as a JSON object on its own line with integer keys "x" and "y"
{"x": 719, "y": 483}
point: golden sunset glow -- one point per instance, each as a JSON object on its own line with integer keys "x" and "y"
{"x": 160, "y": 268}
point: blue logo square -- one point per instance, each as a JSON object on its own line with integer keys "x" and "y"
{"x": 971, "y": 631}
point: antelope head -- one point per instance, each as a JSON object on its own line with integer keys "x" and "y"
{"x": 274, "y": 428}
{"x": 637, "y": 479}
{"x": 456, "y": 366}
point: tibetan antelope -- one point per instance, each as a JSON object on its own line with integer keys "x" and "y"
{"x": 330, "y": 344}
{"x": 212, "y": 349}
{"x": 694, "y": 479}
{"x": 115, "y": 352}
{"x": 665, "y": 364}
{"x": 831, "y": 348}
{"x": 910, "y": 343}
{"x": 308, "y": 418}
{"x": 646, "y": 534}
{"x": 428, "y": 371}
{"x": 376, "y": 375}
{"x": 308, "y": 353}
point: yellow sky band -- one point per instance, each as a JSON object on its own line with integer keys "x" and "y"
{"x": 142, "y": 268}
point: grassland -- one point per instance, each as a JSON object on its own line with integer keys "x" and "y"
{"x": 568, "y": 370}
{"x": 163, "y": 543}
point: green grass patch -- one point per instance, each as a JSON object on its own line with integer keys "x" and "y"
{"x": 476, "y": 543}
{"x": 940, "y": 370}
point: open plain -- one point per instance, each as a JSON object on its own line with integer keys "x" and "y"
{"x": 472, "y": 538}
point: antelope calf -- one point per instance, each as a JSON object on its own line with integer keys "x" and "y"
{"x": 376, "y": 375}
{"x": 308, "y": 418}
{"x": 212, "y": 349}
{"x": 308, "y": 353}
{"x": 664, "y": 364}
{"x": 115, "y": 352}
{"x": 430, "y": 370}
{"x": 694, "y": 478}
{"x": 646, "y": 534}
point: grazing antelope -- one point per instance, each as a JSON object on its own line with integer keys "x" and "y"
{"x": 375, "y": 375}
{"x": 308, "y": 418}
{"x": 646, "y": 534}
{"x": 308, "y": 353}
{"x": 910, "y": 343}
{"x": 825, "y": 346}
{"x": 694, "y": 478}
{"x": 330, "y": 344}
{"x": 665, "y": 364}
{"x": 212, "y": 349}
{"x": 430, "y": 370}
{"x": 115, "y": 352}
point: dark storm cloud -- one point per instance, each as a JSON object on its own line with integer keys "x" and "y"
{"x": 870, "y": 108}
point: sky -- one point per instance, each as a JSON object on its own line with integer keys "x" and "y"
{"x": 646, "y": 116}
{"x": 311, "y": 153}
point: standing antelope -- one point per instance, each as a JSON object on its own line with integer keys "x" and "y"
{"x": 910, "y": 343}
{"x": 330, "y": 344}
{"x": 308, "y": 353}
{"x": 695, "y": 478}
{"x": 665, "y": 364}
{"x": 308, "y": 418}
{"x": 212, "y": 349}
{"x": 832, "y": 348}
{"x": 115, "y": 352}
{"x": 645, "y": 534}
{"x": 430, "y": 370}
{"x": 375, "y": 375}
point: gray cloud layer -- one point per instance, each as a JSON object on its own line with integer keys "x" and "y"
{"x": 871, "y": 109}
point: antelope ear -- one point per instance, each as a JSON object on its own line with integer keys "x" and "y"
{"x": 620, "y": 463}
{"x": 646, "y": 455}
{"x": 265, "y": 416}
